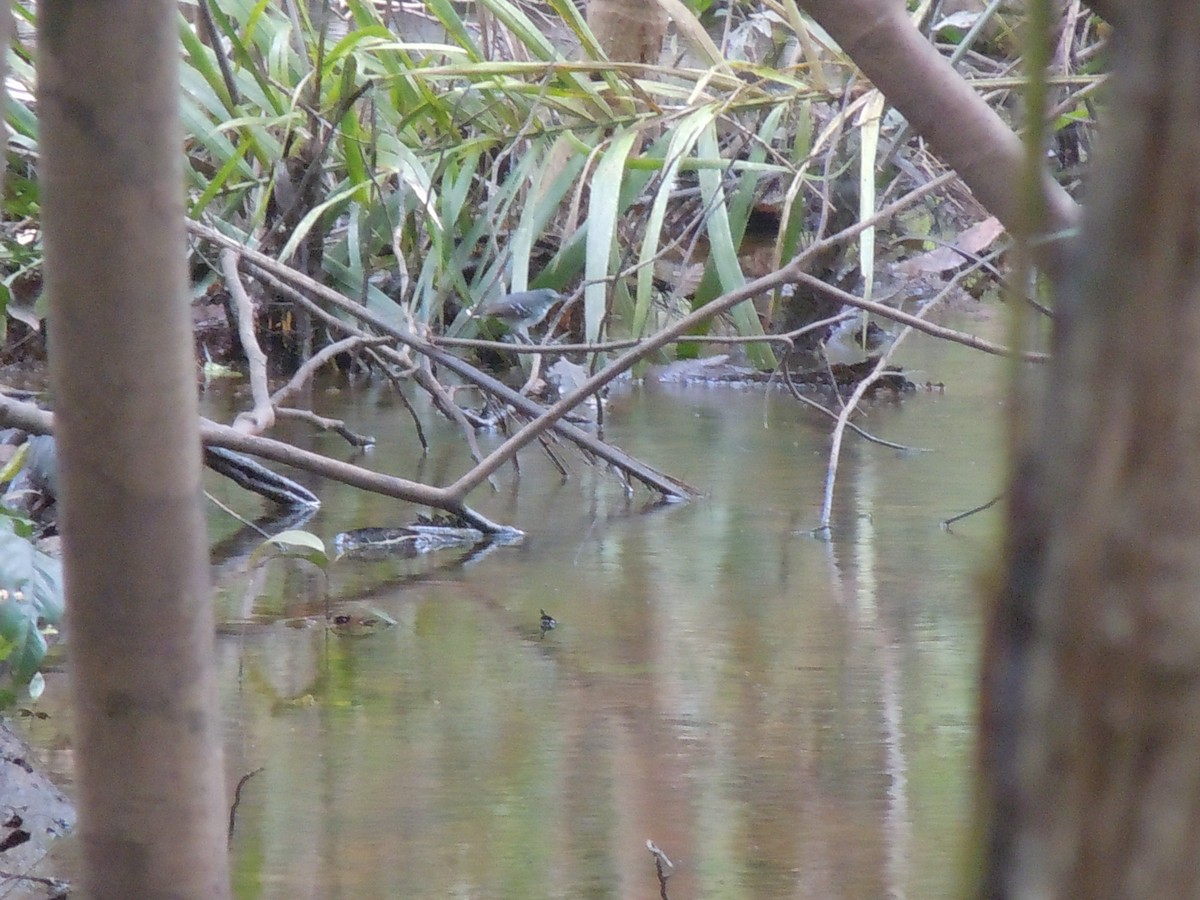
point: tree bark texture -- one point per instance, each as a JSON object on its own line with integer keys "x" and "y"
{"x": 628, "y": 30}
{"x": 1091, "y": 706}
{"x": 6, "y": 33}
{"x": 148, "y": 735}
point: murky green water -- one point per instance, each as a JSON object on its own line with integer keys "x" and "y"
{"x": 782, "y": 715}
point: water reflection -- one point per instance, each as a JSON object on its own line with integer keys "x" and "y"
{"x": 783, "y": 716}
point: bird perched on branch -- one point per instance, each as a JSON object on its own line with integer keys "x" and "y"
{"x": 522, "y": 310}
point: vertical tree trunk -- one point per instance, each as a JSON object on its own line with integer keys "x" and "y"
{"x": 142, "y": 672}
{"x": 1091, "y": 739}
{"x": 628, "y": 30}
{"x": 6, "y": 32}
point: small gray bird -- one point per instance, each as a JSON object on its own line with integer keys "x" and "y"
{"x": 522, "y": 310}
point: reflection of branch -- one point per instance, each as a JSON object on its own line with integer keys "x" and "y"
{"x": 946, "y": 523}
{"x": 862, "y": 433}
{"x": 663, "y": 866}
{"x": 254, "y": 476}
{"x": 237, "y": 799}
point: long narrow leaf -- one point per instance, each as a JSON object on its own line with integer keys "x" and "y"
{"x": 602, "y": 223}
{"x": 869, "y": 120}
{"x": 723, "y": 245}
{"x": 219, "y": 181}
{"x": 333, "y": 201}
{"x": 682, "y": 142}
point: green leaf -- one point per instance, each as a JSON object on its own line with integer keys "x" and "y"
{"x": 31, "y": 574}
{"x": 335, "y": 199}
{"x": 602, "y": 228}
{"x": 296, "y": 544}
{"x": 682, "y": 142}
{"x": 22, "y": 643}
{"x": 13, "y": 466}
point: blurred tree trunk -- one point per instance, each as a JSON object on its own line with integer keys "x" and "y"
{"x": 628, "y": 30}
{"x": 1090, "y": 742}
{"x": 6, "y": 31}
{"x": 148, "y": 736}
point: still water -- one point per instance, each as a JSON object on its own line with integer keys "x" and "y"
{"x": 784, "y": 716}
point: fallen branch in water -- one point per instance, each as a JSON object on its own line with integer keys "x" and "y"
{"x": 545, "y": 419}
{"x": 14, "y": 413}
{"x": 237, "y": 800}
{"x": 275, "y": 273}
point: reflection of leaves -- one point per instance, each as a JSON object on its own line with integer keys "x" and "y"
{"x": 260, "y": 680}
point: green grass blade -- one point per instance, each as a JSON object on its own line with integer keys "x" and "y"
{"x": 682, "y": 142}
{"x": 602, "y": 224}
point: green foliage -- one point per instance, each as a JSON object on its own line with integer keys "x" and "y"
{"x": 429, "y": 176}
{"x": 469, "y": 175}
{"x": 31, "y": 604}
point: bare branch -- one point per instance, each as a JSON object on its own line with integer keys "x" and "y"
{"x": 337, "y": 426}
{"x": 313, "y": 364}
{"x": 28, "y": 417}
{"x": 917, "y": 323}
{"x": 262, "y": 416}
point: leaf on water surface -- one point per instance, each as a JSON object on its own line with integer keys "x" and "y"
{"x": 213, "y": 370}
{"x": 297, "y": 544}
